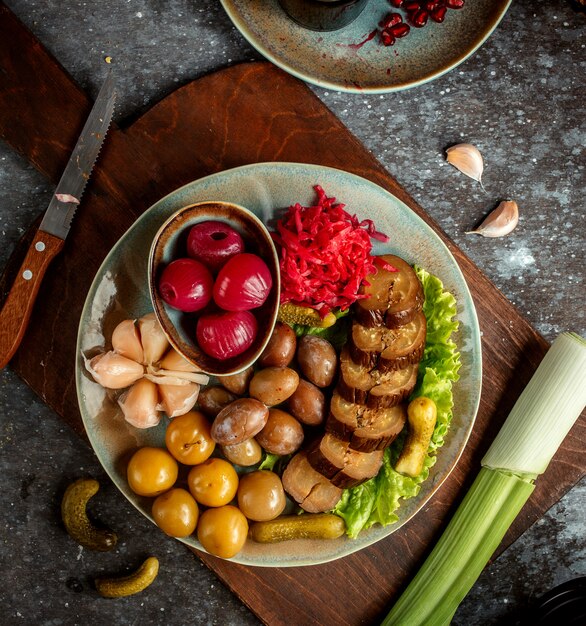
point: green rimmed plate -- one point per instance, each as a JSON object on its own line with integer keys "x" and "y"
{"x": 336, "y": 60}
{"x": 120, "y": 291}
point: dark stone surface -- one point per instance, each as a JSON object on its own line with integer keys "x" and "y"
{"x": 520, "y": 98}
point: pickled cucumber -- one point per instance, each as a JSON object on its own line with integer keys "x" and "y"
{"x": 306, "y": 526}
{"x": 422, "y": 416}
{"x": 128, "y": 585}
{"x": 75, "y": 518}
{"x": 306, "y": 316}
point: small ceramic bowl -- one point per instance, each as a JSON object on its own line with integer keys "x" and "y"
{"x": 323, "y": 15}
{"x": 170, "y": 243}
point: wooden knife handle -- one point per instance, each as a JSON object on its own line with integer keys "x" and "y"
{"x": 18, "y": 305}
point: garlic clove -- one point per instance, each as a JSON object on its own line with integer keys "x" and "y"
{"x": 173, "y": 377}
{"x": 113, "y": 371}
{"x": 175, "y": 361}
{"x": 139, "y": 404}
{"x": 154, "y": 341}
{"x": 177, "y": 400}
{"x": 500, "y": 222}
{"x": 126, "y": 341}
{"x": 466, "y": 158}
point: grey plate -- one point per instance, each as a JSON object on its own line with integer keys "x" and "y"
{"x": 120, "y": 290}
{"x": 332, "y": 60}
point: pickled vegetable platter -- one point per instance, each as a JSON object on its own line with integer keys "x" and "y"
{"x": 120, "y": 291}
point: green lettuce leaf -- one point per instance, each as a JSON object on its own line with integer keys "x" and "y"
{"x": 376, "y": 501}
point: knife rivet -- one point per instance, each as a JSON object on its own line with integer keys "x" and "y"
{"x": 27, "y": 274}
{"x": 39, "y": 246}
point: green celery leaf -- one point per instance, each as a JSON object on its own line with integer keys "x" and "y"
{"x": 274, "y": 462}
{"x": 269, "y": 461}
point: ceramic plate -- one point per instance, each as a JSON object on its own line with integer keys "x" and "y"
{"x": 120, "y": 291}
{"x": 336, "y": 60}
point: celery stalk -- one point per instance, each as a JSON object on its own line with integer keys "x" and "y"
{"x": 550, "y": 405}
{"x": 473, "y": 534}
{"x": 544, "y": 412}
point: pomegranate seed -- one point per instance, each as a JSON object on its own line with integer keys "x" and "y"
{"x": 418, "y": 12}
{"x": 387, "y": 38}
{"x": 438, "y": 14}
{"x": 410, "y": 6}
{"x": 400, "y": 30}
{"x": 419, "y": 20}
{"x": 411, "y": 15}
{"x": 390, "y": 20}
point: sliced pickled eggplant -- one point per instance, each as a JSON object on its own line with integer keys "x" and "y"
{"x": 388, "y": 349}
{"x": 375, "y": 389}
{"x": 344, "y": 466}
{"x": 311, "y": 490}
{"x": 323, "y": 496}
{"x": 394, "y": 298}
{"x": 365, "y": 429}
{"x": 329, "y": 464}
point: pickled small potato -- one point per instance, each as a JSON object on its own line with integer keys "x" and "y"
{"x": 282, "y": 434}
{"x": 151, "y": 471}
{"x": 223, "y": 531}
{"x": 238, "y": 383}
{"x": 245, "y": 453}
{"x": 175, "y": 512}
{"x": 189, "y": 439}
{"x": 213, "y": 483}
{"x": 308, "y": 404}
{"x": 274, "y": 385}
{"x": 240, "y": 420}
{"x": 317, "y": 360}
{"x": 212, "y": 400}
{"x": 261, "y": 496}
{"x": 281, "y": 347}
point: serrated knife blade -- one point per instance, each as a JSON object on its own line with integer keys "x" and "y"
{"x": 49, "y": 238}
{"x": 59, "y": 214}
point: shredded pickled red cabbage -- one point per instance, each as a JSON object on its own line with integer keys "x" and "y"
{"x": 324, "y": 254}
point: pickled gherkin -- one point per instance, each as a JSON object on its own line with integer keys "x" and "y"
{"x": 305, "y": 526}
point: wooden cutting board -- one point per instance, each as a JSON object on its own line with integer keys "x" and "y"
{"x": 244, "y": 114}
